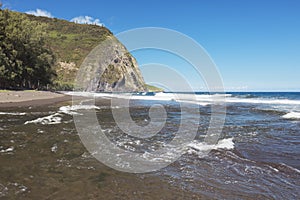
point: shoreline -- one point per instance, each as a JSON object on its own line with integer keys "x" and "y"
{"x": 10, "y": 98}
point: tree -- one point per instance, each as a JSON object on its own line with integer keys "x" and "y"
{"x": 24, "y": 60}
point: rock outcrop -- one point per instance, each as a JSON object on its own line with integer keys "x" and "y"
{"x": 110, "y": 68}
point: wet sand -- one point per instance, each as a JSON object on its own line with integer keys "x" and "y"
{"x": 10, "y": 98}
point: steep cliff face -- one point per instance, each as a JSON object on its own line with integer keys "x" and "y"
{"x": 110, "y": 68}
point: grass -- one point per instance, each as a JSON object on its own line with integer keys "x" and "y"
{"x": 152, "y": 88}
{"x": 71, "y": 43}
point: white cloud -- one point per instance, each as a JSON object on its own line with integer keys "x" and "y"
{"x": 86, "y": 20}
{"x": 39, "y": 12}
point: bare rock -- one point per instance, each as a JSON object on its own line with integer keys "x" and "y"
{"x": 110, "y": 68}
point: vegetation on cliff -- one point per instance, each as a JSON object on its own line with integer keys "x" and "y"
{"x": 152, "y": 88}
{"x": 70, "y": 43}
{"x": 46, "y": 53}
{"x": 40, "y": 52}
{"x": 25, "y": 61}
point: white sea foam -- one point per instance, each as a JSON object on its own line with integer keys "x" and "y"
{"x": 54, "y": 148}
{"x": 263, "y": 101}
{"x": 199, "y": 148}
{"x": 70, "y": 110}
{"x": 10, "y": 149}
{"x": 51, "y": 119}
{"x": 12, "y": 113}
{"x": 56, "y": 118}
{"x": 67, "y": 110}
{"x": 222, "y": 144}
{"x": 292, "y": 115}
{"x": 201, "y": 103}
{"x": 187, "y": 98}
{"x": 200, "y": 99}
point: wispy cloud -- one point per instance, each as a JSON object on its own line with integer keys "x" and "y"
{"x": 39, "y": 12}
{"x": 86, "y": 20}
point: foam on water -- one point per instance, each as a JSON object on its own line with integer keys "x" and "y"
{"x": 192, "y": 98}
{"x": 263, "y": 101}
{"x": 51, "y": 119}
{"x": 12, "y": 113}
{"x": 54, "y": 148}
{"x": 193, "y": 147}
{"x": 186, "y": 98}
{"x": 222, "y": 144}
{"x": 10, "y": 149}
{"x": 292, "y": 115}
{"x": 70, "y": 110}
{"x": 200, "y": 103}
{"x": 56, "y": 118}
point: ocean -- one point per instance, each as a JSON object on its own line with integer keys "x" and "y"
{"x": 256, "y": 156}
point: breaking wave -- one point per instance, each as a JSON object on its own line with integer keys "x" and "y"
{"x": 292, "y": 115}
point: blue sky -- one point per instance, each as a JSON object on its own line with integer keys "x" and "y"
{"x": 255, "y": 44}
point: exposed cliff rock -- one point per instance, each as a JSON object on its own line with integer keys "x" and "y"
{"x": 110, "y": 68}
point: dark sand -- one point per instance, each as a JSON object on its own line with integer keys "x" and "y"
{"x": 30, "y": 98}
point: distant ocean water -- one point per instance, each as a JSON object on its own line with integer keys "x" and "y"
{"x": 257, "y": 155}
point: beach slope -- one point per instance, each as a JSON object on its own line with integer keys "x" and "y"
{"x": 10, "y": 98}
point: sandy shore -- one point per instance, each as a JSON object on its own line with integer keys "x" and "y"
{"x": 30, "y": 98}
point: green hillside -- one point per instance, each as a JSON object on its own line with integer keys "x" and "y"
{"x": 152, "y": 88}
{"x": 25, "y": 59}
{"x": 45, "y": 53}
{"x": 31, "y": 47}
{"x": 71, "y": 43}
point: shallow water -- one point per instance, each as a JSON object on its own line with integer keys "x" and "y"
{"x": 257, "y": 156}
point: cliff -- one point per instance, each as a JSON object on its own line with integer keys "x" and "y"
{"x": 73, "y": 44}
{"x": 109, "y": 67}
